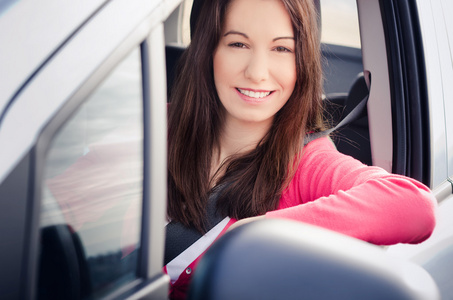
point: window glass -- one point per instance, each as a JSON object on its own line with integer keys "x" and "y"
{"x": 92, "y": 192}
{"x": 340, "y": 23}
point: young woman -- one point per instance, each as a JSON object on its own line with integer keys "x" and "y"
{"x": 248, "y": 92}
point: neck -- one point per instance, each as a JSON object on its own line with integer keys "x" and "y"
{"x": 239, "y": 137}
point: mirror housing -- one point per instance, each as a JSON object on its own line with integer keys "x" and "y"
{"x": 281, "y": 259}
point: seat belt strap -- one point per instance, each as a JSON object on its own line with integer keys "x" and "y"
{"x": 355, "y": 114}
{"x": 179, "y": 237}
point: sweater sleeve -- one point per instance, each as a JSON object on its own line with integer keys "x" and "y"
{"x": 337, "y": 192}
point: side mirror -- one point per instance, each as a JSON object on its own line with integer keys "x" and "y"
{"x": 280, "y": 259}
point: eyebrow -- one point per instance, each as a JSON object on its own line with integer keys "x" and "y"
{"x": 246, "y": 36}
{"x": 283, "y": 38}
{"x": 236, "y": 32}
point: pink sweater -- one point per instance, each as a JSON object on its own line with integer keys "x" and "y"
{"x": 337, "y": 192}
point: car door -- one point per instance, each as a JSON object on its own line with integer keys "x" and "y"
{"x": 411, "y": 91}
{"x": 83, "y": 199}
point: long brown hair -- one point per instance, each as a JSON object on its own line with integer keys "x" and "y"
{"x": 255, "y": 180}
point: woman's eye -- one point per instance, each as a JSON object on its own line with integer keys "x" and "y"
{"x": 237, "y": 45}
{"x": 282, "y": 49}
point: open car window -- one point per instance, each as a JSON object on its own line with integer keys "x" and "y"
{"x": 340, "y": 23}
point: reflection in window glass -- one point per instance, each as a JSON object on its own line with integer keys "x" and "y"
{"x": 340, "y": 23}
{"x": 92, "y": 192}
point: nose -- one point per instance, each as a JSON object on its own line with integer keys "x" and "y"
{"x": 257, "y": 69}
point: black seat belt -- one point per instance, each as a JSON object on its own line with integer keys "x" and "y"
{"x": 356, "y": 113}
{"x": 179, "y": 237}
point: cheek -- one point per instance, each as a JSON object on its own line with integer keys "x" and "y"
{"x": 227, "y": 67}
{"x": 221, "y": 67}
{"x": 219, "y": 78}
{"x": 287, "y": 76}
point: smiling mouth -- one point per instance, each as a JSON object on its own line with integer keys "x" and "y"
{"x": 253, "y": 94}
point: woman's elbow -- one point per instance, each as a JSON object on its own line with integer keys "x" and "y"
{"x": 425, "y": 216}
{"x": 420, "y": 215}
{"x": 409, "y": 212}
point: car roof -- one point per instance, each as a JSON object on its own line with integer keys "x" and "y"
{"x": 31, "y": 34}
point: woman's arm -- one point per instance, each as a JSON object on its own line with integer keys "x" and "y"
{"x": 337, "y": 192}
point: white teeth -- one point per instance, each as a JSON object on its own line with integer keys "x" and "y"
{"x": 252, "y": 94}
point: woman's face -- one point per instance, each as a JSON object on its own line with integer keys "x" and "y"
{"x": 255, "y": 63}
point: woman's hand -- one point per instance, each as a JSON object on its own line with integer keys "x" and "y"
{"x": 245, "y": 221}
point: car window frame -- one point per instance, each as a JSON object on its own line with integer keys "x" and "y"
{"x": 147, "y": 257}
{"x": 151, "y": 32}
{"x": 445, "y": 48}
{"x": 438, "y": 130}
{"x": 408, "y": 86}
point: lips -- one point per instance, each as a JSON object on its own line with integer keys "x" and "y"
{"x": 255, "y": 94}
